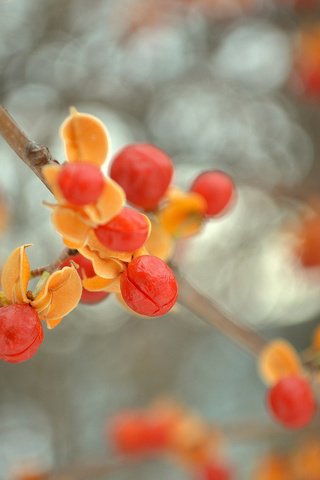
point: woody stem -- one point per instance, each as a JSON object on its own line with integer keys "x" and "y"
{"x": 205, "y": 309}
{"x": 35, "y": 156}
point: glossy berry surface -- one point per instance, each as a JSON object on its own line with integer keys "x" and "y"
{"x": 217, "y": 189}
{"x": 148, "y": 286}
{"x": 80, "y": 183}
{"x": 136, "y": 432}
{"x": 291, "y": 401}
{"x": 21, "y": 333}
{"x": 85, "y": 270}
{"x": 126, "y": 232}
{"x": 144, "y": 172}
{"x": 214, "y": 471}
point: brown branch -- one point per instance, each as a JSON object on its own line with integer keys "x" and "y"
{"x": 33, "y": 155}
{"x": 207, "y": 310}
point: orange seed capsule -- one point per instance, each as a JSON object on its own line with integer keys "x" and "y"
{"x": 85, "y": 138}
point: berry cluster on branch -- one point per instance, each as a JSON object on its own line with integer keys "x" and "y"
{"x": 113, "y": 247}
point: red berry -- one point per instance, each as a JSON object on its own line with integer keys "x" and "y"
{"x": 214, "y": 471}
{"x": 292, "y": 401}
{"x": 148, "y": 286}
{"x": 144, "y": 172}
{"x": 136, "y": 432}
{"x": 21, "y": 333}
{"x": 81, "y": 183}
{"x": 216, "y": 188}
{"x": 126, "y": 232}
{"x": 85, "y": 270}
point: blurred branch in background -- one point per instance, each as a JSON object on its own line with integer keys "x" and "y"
{"x": 208, "y": 311}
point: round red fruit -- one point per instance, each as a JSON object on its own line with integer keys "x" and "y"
{"x": 217, "y": 189}
{"x": 148, "y": 286}
{"x": 126, "y": 232}
{"x": 85, "y": 270}
{"x": 214, "y": 471}
{"x": 135, "y": 432}
{"x": 21, "y": 333}
{"x": 292, "y": 402}
{"x": 144, "y": 172}
{"x": 80, "y": 183}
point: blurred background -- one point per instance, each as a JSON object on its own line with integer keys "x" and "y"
{"x": 226, "y": 84}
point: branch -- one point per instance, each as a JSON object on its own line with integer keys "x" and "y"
{"x": 33, "y": 155}
{"x": 208, "y": 311}
{"x": 51, "y": 267}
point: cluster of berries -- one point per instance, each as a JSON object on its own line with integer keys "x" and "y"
{"x": 145, "y": 173}
{"x": 127, "y": 249}
{"x": 118, "y": 249}
{"x": 171, "y": 430}
{"x": 291, "y": 397}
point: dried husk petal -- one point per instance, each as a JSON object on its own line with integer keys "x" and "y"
{"x": 51, "y": 174}
{"x": 105, "y": 267}
{"x": 85, "y": 138}
{"x": 183, "y": 215}
{"x": 160, "y": 243}
{"x": 108, "y": 205}
{"x": 60, "y": 294}
{"x": 98, "y": 284}
{"x": 277, "y": 360}
{"x": 15, "y": 275}
{"x": 72, "y": 225}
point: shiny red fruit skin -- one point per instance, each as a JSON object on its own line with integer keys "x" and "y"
{"x": 134, "y": 432}
{"x": 80, "y": 183}
{"x": 214, "y": 471}
{"x": 217, "y": 189}
{"x": 144, "y": 172}
{"x": 21, "y": 333}
{"x": 292, "y": 402}
{"x": 85, "y": 270}
{"x": 148, "y": 286}
{"x": 126, "y": 232}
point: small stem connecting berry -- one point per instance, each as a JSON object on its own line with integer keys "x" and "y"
{"x": 65, "y": 255}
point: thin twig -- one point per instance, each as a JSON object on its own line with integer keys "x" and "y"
{"x": 32, "y": 154}
{"x": 51, "y": 267}
{"x": 207, "y": 310}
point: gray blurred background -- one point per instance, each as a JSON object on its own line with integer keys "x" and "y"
{"x": 207, "y": 81}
